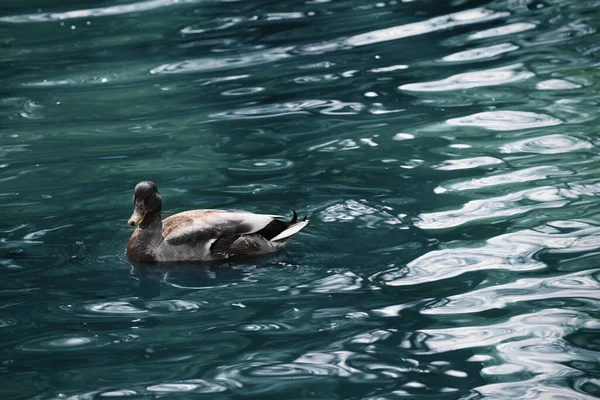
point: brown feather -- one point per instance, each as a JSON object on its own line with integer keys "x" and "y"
{"x": 176, "y": 221}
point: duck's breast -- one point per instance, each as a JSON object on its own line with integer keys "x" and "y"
{"x": 138, "y": 250}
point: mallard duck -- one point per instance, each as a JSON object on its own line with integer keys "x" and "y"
{"x": 202, "y": 235}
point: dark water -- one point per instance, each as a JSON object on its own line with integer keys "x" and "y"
{"x": 446, "y": 153}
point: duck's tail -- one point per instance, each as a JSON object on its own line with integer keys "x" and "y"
{"x": 294, "y": 226}
{"x": 279, "y": 230}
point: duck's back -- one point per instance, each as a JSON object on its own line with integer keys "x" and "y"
{"x": 218, "y": 234}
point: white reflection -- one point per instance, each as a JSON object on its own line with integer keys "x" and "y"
{"x": 119, "y": 393}
{"x": 95, "y": 12}
{"x": 466, "y": 163}
{"x": 540, "y": 387}
{"x": 496, "y": 208}
{"x": 520, "y": 176}
{"x": 214, "y": 64}
{"x": 354, "y": 210}
{"x": 481, "y": 53}
{"x": 327, "y": 107}
{"x": 171, "y": 387}
{"x": 403, "y": 136}
{"x": 114, "y": 307}
{"x": 541, "y": 326}
{"x": 390, "y": 69}
{"x": 514, "y": 251}
{"x": 467, "y": 80}
{"x": 337, "y": 283}
{"x": 506, "y": 120}
{"x": 580, "y": 285}
{"x": 503, "y": 30}
{"x": 444, "y": 264}
{"x": 550, "y": 144}
{"x": 557, "y": 84}
{"x": 467, "y": 17}
{"x": 195, "y": 385}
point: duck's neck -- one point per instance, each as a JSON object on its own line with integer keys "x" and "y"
{"x": 150, "y": 230}
{"x": 152, "y": 222}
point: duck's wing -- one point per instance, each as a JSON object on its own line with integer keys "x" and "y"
{"x": 212, "y": 225}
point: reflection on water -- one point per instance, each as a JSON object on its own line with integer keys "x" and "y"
{"x": 445, "y": 152}
{"x": 468, "y": 80}
{"x": 506, "y": 120}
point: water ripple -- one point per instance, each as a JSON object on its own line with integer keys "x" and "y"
{"x": 557, "y": 84}
{"x": 327, "y": 107}
{"x": 253, "y": 188}
{"x": 355, "y": 210}
{"x": 549, "y": 144}
{"x": 262, "y": 165}
{"x": 481, "y": 53}
{"x": 512, "y": 251}
{"x": 343, "y": 145}
{"x": 444, "y": 264}
{"x": 507, "y": 29}
{"x": 225, "y": 63}
{"x": 32, "y": 110}
{"x": 467, "y": 163}
{"x": 70, "y": 343}
{"x": 576, "y": 285}
{"x": 534, "y": 388}
{"x": 506, "y": 120}
{"x": 519, "y": 176}
{"x": 214, "y": 25}
{"x": 468, "y": 80}
{"x": 338, "y": 283}
{"x": 172, "y": 306}
{"x": 118, "y": 393}
{"x": 262, "y": 377}
{"x": 473, "y": 16}
{"x": 265, "y": 327}
{"x": 242, "y": 91}
{"x": 545, "y": 325}
{"x": 124, "y": 310}
{"x": 95, "y": 12}
{"x": 191, "y": 385}
{"x": 114, "y": 307}
{"x": 495, "y": 208}
{"x": 447, "y": 152}
{"x": 4, "y": 322}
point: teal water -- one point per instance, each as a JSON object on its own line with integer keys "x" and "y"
{"x": 446, "y": 153}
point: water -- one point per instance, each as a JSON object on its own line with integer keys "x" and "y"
{"x": 445, "y": 152}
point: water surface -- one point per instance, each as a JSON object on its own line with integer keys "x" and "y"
{"x": 446, "y": 154}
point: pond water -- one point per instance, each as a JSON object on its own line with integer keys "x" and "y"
{"x": 445, "y": 152}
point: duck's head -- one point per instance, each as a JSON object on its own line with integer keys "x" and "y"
{"x": 146, "y": 201}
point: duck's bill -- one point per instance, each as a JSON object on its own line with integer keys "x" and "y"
{"x": 137, "y": 217}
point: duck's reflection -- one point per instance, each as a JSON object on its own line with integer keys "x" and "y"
{"x": 199, "y": 275}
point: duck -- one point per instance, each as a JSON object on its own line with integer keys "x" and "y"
{"x": 202, "y": 235}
